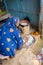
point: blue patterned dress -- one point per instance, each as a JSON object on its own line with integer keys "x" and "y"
{"x": 10, "y": 37}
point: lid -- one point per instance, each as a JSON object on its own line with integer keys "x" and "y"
{"x": 24, "y": 24}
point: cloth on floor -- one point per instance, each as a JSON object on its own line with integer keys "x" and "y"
{"x": 3, "y": 57}
{"x": 10, "y": 37}
{"x": 28, "y": 41}
{"x": 23, "y": 57}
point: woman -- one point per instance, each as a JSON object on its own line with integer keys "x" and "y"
{"x": 10, "y": 37}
